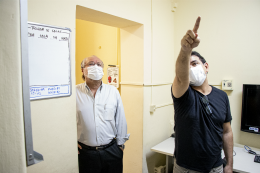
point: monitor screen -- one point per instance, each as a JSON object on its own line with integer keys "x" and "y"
{"x": 250, "y": 119}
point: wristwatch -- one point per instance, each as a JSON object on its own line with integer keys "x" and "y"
{"x": 122, "y": 146}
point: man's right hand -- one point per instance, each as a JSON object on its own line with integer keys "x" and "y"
{"x": 188, "y": 42}
{"x": 191, "y": 39}
{"x": 79, "y": 148}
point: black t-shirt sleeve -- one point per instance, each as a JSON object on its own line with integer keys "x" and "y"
{"x": 184, "y": 96}
{"x": 228, "y": 115}
{"x": 181, "y": 104}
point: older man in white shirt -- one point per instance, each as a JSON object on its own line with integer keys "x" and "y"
{"x": 101, "y": 123}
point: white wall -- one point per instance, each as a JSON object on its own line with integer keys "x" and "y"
{"x": 54, "y": 120}
{"x": 229, "y": 33}
{"x": 12, "y": 152}
{"x": 162, "y": 64}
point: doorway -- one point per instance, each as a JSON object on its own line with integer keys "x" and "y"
{"x": 129, "y": 52}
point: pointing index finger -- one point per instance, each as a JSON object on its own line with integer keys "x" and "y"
{"x": 196, "y": 26}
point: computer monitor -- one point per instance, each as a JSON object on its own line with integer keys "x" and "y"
{"x": 250, "y": 115}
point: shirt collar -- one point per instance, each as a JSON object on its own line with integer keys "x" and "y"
{"x": 100, "y": 87}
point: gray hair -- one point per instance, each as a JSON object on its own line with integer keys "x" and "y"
{"x": 82, "y": 64}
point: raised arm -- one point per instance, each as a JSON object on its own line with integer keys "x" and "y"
{"x": 188, "y": 42}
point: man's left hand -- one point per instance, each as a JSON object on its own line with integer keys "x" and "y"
{"x": 121, "y": 149}
{"x": 228, "y": 169}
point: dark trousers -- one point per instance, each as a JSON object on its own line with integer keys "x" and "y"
{"x": 108, "y": 160}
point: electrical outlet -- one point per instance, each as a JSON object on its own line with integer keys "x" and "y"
{"x": 227, "y": 85}
{"x": 152, "y": 108}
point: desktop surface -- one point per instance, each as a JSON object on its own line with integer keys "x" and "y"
{"x": 166, "y": 147}
{"x": 242, "y": 161}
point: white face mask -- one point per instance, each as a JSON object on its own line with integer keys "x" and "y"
{"x": 95, "y": 72}
{"x": 197, "y": 76}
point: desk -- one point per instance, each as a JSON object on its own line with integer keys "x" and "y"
{"x": 166, "y": 147}
{"x": 243, "y": 161}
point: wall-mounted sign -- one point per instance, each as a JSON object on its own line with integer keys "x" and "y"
{"x": 49, "y": 61}
{"x": 113, "y": 75}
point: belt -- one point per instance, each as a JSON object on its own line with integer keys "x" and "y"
{"x": 101, "y": 147}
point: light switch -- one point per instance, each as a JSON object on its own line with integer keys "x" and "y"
{"x": 227, "y": 85}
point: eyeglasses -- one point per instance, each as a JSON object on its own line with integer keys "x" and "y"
{"x": 92, "y": 63}
{"x": 205, "y": 101}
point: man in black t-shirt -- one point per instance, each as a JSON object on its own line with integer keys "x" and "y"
{"x": 202, "y": 114}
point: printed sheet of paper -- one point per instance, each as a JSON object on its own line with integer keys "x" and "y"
{"x": 113, "y": 76}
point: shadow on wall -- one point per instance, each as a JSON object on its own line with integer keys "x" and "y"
{"x": 154, "y": 160}
{"x": 229, "y": 92}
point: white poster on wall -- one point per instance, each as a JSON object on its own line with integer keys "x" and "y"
{"x": 113, "y": 75}
{"x": 49, "y": 61}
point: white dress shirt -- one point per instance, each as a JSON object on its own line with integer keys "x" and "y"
{"x": 102, "y": 118}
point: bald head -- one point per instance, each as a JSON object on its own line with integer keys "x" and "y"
{"x": 92, "y": 58}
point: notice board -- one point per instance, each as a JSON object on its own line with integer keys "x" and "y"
{"x": 49, "y": 61}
